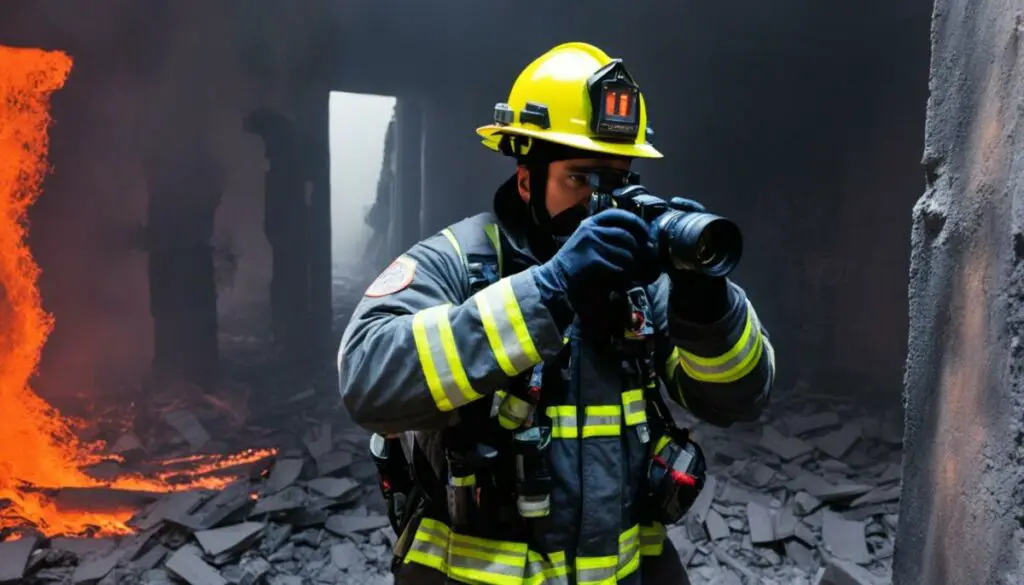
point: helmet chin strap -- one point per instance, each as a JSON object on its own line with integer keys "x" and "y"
{"x": 544, "y": 243}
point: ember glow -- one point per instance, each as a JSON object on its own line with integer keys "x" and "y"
{"x": 38, "y": 448}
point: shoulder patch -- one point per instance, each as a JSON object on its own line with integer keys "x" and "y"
{"x": 394, "y": 278}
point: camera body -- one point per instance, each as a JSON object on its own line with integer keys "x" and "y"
{"x": 686, "y": 236}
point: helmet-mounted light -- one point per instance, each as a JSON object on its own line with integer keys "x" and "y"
{"x": 615, "y": 103}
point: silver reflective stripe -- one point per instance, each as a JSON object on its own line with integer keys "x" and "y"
{"x": 594, "y": 420}
{"x": 429, "y": 548}
{"x": 494, "y": 305}
{"x": 603, "y": 575}
{"x": 457, "y": 561}
{"x": 634, "y": 408}
{"x": 563, "y": 422}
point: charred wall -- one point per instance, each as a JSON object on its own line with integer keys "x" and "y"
{"x": 960, "y": 515}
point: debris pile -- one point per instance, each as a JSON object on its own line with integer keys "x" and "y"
{"x": 312, "y": 519}
{"x": 806, "y": 498}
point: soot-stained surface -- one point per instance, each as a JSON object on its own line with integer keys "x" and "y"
{"x": 962, "y": 499}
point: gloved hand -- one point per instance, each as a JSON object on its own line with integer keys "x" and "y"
{"x": 605, "y": 253}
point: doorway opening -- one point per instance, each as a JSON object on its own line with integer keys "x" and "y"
{"x": 363, "y": 171}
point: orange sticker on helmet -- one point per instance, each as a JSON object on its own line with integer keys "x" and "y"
{"x": 395, "y": 278}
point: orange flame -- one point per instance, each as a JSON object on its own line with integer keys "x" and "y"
{"x": 37, "y": 444}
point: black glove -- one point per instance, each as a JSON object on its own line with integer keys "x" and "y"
{"x": 607, "y": 252}
{"x": 696, "y": 297}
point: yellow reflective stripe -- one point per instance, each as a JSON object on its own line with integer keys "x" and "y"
{"x": 464, "y": 481}
{"x": 652, "y": 540}
{"x": 541, "y": 572}
{"x": 492, "y": 234}
{"x": 602, "y": 421}
{"x": 597, "y": 570}
{"x": 467, "y": 558}
{"x": 439, "y": 359}
{"x": 665, "y": 440}
{"x": 494, "y": 562}
{"x": 634, "y": 407}
{"x": 672, "y": 363}
{"x": 563, "y": 422}
{"x": 512, "y": 412}
{"x": 506, "y": 328}
{"x": 629, "y": 552}
{"x": 733, "y": 364}
{"x": 447, "y": 232}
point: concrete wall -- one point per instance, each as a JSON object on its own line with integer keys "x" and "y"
{"x": 963, "y": 471}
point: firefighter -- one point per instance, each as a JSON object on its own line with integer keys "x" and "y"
{"x": 492, "y": 358}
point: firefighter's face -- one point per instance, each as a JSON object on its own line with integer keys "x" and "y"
{"x": 567, "y": 185}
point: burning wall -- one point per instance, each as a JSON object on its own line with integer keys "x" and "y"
{"x": 39, "y": 450}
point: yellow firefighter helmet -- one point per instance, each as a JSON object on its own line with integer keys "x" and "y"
{"x": 577, "y": 96}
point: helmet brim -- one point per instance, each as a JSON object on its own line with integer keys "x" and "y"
{"x": 492, "y": 134}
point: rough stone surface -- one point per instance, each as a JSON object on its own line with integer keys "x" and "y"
{"x": 963, "y": 477}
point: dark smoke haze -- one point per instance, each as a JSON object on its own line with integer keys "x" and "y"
{"x": 800, "y": 119}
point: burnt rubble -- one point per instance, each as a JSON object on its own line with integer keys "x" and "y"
{"x": 807, "y": 496}
{"x": 314, "y": 518}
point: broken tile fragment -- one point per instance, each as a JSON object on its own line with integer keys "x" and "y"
{"x": 286, "y": 472}
{"x": 151, "y": 559}
{"x": 128, "y": 446}
{"x": 735, "y": 494}
{"x": 229, "y": 539}
{"x": 879, "y": 495}
{"x": 842, "y": 492}
{"x": 844, "y": 538}
{"x": 787, "y": 448}
{"x": 346, "y": 556}
{"x": 253, "y": 571}
{"x": 83, "y": 546}
{"x": 799, "y": 425}
{"x": 174, "y": 505}
{"x": 14, "y": 558}
{"x": 842, "y": 572}
{"x": 756, "y": 474}
{"x": 800, "y": 554}
{"x": 291, "y": 498}
{"x": 188, "y": 566}
{"x": 333, "y": 487}
{"x": 839, "y": 442}
{"x": 342, "y": 525}
{"x": 759, "y": 520}
{"x": 716, "y": 526}
{"x": 891, "y": 473}
{"x": 318, "y": 440}
{"x": 92, "y": 571}
{"x": 189, "y": 427}
{"x": 805, "y": 503}
{"x": 332, "y": 463}
{"x": 784, "y": 524}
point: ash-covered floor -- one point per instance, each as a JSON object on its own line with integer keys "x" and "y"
{"x": 809, "y": 495}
